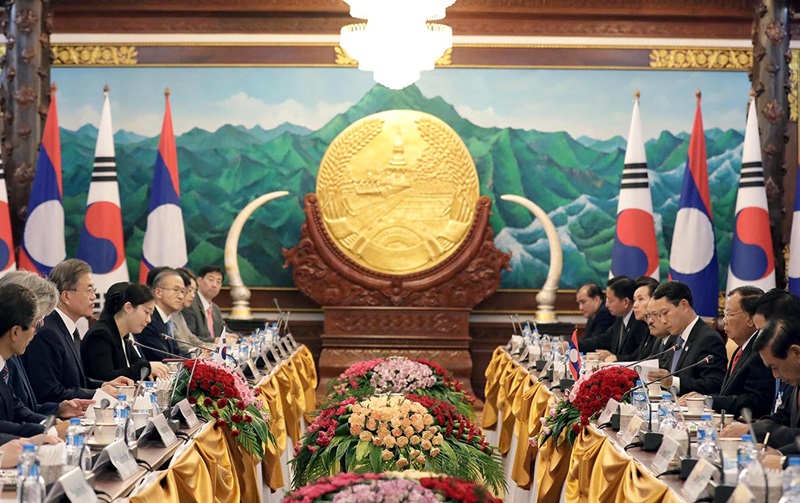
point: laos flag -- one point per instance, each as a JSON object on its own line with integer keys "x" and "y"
{"x": 794, "y": 244}
{"x": 635, "y": 251}
{"x": 43, "y": 244}
{"x": 7, "y": 262}
{"x": 693, "y": 255}
{"x": 101, "y": 243}
{"x": 752, "y": 259}
{"x": 164, "y": 240}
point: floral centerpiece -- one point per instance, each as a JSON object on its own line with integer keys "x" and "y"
{"x": 589, "y": 396}
{"x": 391, "y": 488}
{"x": 394, "y": 432}
{"x": 222, "y": 396}
{"x": 401, "y": 375}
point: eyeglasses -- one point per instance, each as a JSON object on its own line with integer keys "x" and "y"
{"x": 176, "y": 290}
{"x": 91, "y": 291}
{"x": 726, "y": 314}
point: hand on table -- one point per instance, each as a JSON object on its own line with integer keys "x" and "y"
{"x": 73, "y": 408}
{"x": 657, "y": 374}
{"x": 48, "y": 439}
{"x": 158, "y": 369}
{"x": 605, "y": 356}
{"x": 110, "y": 389}
{"x": 693, "y": 394}
{"x": 121, "y": 381}
{"x": 735, "y": 430}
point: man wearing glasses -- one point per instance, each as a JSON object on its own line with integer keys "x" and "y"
{"x": 748, "y": 382}
{"x": 168, "y": 290}
{"x": 53, "y": 358}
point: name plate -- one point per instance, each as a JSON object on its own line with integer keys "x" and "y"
{"x": 698, "y": 480}
{"x": 742, "y": 494}
{"x": 164, "y": 431}
{"x": 546, "y": 368}
{"x": 291, "y": 339}
{"x": 665, "y": 454}
{"x": 611, "y": 408}
{"x": 186, "y": 411}
{"x": 254, "y": 370}
{"x": 76, "y": 488}
{"x": 631, "y": 431}
{"x": 267, "y": 363}
{"x": 121, "y": 457}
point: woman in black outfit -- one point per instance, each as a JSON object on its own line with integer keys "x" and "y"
{"x": 106, "y": 350}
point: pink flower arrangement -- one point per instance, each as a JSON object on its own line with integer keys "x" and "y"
{"x": 399, "y": 375}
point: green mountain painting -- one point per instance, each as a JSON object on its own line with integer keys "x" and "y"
{"x": 575, "y": 180}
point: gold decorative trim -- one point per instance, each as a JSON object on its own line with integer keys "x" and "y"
{"x": 794, "y": 69}
{"x": 685, "y": 58}
{"x": 344, "y": 59}
{"x": 95, "y": 55}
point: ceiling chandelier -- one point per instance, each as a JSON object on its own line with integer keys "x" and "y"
{"x": 397, "y": 42}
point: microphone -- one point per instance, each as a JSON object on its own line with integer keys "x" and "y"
{"x": 168, "y": 337}
{"x": 151, "y": 348}
{"x": 674, "y": 347}
{"x": 707, "y": 359}
{"x": 175, "y": 379}
{"x": 104, "y": 403}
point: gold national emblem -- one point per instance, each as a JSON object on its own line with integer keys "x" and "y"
{"x": 398, "y": 191}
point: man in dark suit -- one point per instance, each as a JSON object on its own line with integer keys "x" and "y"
{"x": 592, "y": 305}
{"x": 53, "y": 360}
{"x": 626, "y": 333}
{"x": 673, "y": 303}
{"x": 748, "y": 382}
{"x": 645, "y": 286}
{"x": 203, "y": 317}
{"x": 17, "y": 328}
{"x": 168, "y": 290}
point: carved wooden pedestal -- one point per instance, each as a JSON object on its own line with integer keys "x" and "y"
{"x": 353, "y": 334}
{"x": 370, "y": 314}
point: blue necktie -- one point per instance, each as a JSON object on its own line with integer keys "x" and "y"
{"x": 676, "y": 356}
{"x": 171, "y": 327}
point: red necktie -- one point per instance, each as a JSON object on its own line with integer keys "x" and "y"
{"x": 736, "y": 359}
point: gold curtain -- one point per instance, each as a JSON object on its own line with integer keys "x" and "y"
{"x": 523, "y": 408}
{"x": 492, "y": 387}
{"x": 584, "y": 455}
{"x": 553, "y": 468}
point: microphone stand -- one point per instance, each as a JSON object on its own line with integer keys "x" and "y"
{"x": 674, "y": 347}
{"x": 151, "y": 348}
{"x": 142, "y": 375}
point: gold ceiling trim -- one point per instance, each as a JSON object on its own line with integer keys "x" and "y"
{"x": 341, "y": 58}
{"x": 95, "y": 55}
{"x": 694, "y": 58}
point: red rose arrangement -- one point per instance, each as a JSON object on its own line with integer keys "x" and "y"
{"x": 222, "y": 397}
{"x": 588, "y": 397}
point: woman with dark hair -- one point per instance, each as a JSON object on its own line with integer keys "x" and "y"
{"x": 106, "y": 350}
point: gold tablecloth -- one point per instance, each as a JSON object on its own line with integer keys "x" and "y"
{"x": 215, "y": 468}
{"x": 591, "y": 470}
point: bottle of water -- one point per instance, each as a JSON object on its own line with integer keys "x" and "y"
{"x": 640, "y": 401}
{"x": 150, "y": 394}
{"x": 75, "y": 454}
{"x": 707, "y": 447}
{"x": 122, "y": 412}
{"x": 555, "y": 350}
{"x": 666, "y": 414}
{"x": 747, "y": 452}
{"x": 31, "y": 488}
{"x": 25, "y": 460}
{"x": 791, "y": 482}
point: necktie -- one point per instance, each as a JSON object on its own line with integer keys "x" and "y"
{"x": 4, "y": 373}
{"x": 76, "y": 341}
{"x": 676, "y": 356}
{"x": 171, "y": 327}
{"x": 736, "y": 359}
{"x": 210, "y": 322}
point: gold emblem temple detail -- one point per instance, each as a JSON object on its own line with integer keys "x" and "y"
{"x": 397, "y": 191}
{"x": 95, "y": 55}
{"x": 701, "y": 59}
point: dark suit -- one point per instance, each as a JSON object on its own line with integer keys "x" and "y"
{"x": 706, "y": 379}
{"x": 618, "y": 339}
{"x": 16, "y": 419}
{"x": 783, "y": 426}
{"x": 637, "y": 331}
{"x": 598, "y": 323}
{"x": 750, "y": 385}
{"x": 53, "y": 364}
{"x": 102, "y": 351}
{"x": 21, "y": 387}
{"x": 153, "y": 336}
{"x": 195, "y": 317}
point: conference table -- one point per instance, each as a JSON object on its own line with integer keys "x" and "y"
{"x": 595, "y": 468}
{"x": 207, "y": 464}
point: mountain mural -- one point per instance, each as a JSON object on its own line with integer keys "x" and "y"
{"x": 576, "y": 181}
